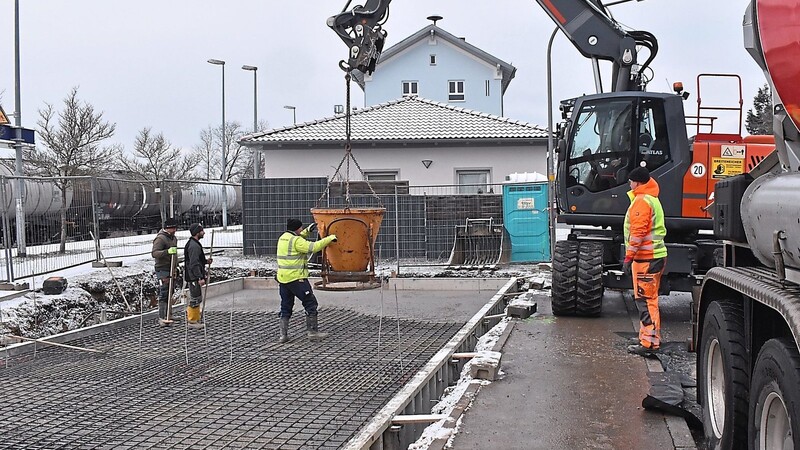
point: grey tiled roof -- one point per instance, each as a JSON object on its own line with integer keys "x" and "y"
{"x": 405, "y": 119}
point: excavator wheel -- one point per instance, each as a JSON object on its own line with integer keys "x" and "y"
{"x": 565, "y": 278}
{"x": 589, "y": 298}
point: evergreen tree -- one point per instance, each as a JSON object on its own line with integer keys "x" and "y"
{"x": 759, "y": 119}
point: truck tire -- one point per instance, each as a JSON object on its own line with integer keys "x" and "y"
{"x": 774, "y": 396}
{"x": 590, "y": 279}
{"x": 722, "y": 376}
{"x": 565, "y": 278}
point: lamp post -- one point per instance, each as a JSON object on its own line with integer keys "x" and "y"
{"x": 218, "y": 62}
{"x": 257, "y": 161}
{"x": 20, "y": 211}
{"x": 294, "y": 113}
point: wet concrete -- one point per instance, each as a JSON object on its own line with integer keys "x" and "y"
{"x": 569, "y": 383}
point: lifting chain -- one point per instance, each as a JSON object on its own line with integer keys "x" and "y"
{"x": 348, "y": 155}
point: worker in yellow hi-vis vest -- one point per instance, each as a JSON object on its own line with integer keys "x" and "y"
{"x": 293, "y": 252}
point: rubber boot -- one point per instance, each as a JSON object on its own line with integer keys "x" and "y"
{"x": 162, "y": 314}
{"x": 284, "y": 330}
{"x": 193, "y": 317}
{"x": 313, "y": 329}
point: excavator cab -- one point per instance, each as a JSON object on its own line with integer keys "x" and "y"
{"x": 608, "y": 135}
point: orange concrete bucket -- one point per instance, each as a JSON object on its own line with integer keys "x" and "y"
{"x": 352, "y": 257}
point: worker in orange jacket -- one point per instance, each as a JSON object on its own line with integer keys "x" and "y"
{"x": 645, "y": 256}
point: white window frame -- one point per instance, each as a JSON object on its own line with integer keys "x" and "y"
{"x": 455, "y": 91}
{"x": 409, "y": 88}
{"x": 473, "y": 188}
{"x": 488, "y": 86}
{"x": 381, "y": 175}
{"x": 432, "y": 59}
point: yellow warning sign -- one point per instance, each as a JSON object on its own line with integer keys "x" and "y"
{"x": 3, "y": 117}
{"x": 726, "y": 167}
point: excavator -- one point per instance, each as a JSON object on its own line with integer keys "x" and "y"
{"x": 742, "y": 192}
{"x": 602, "y": 138}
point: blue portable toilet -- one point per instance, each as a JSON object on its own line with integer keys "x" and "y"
{"x": 525, "y": 217}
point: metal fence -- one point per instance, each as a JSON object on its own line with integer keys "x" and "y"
{"x": 422, "y": 225}
{"x": 75, "y": 220}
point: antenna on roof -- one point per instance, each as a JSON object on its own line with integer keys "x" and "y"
{"x": 435, "y": 18}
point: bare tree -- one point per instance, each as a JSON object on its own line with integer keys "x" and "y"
{"x": 207, "y": 155}
{"x": 238, "y": 159}
{"x": 71, "y": 146}
{"x": 154, "y": 158}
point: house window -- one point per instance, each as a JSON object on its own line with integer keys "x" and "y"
{"x": 380, "y": 175}
{"x": 455, "y": 90}
{"x": 473, "y": 181}
{"x": 487, "y": 87}
{"x": 433, "y": 60}
{"x": 410, "y": 88}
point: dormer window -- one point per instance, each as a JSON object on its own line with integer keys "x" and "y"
{"x": 410, "y": 88}
{"x": 433, "y": 60}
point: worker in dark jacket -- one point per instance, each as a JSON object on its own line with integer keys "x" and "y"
{"x": 165, "y": 247}
{"x": 293, "y": 253}
{"x": 195, "y": 273}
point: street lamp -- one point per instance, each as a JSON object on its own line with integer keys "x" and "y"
{"x": 257, "y": 162}
{"x": 294, "y": 113}
{"x": 218, "y": 62}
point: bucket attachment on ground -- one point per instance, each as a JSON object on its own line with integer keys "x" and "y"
{"x": 349, "y": 263}
{"x": 480, "y": 244}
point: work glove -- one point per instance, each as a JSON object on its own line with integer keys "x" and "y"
{"x": 333, "y": 238}
{"x": 626, "y": 265}
{"x": 311, "y": 227}
{"x": 172, "y": 250}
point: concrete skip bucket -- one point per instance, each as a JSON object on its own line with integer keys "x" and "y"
{"x": 349, "y": 264}
{"x": 480, "y": 244}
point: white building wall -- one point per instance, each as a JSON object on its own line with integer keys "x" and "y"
{"x": 452, "y": 63}
{"x": 407, "y": 162}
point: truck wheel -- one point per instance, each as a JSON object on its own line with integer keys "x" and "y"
{"x": 774, "y": 397}
{"x": 723, "y": 377}
{"x": 590, "y": 279}
{"x": 565, "y": 278}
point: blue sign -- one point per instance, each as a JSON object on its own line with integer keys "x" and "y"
{"x": 8, "y": 133}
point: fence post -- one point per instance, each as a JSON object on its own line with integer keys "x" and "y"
{"x": 397, "y": 229}
{"x": 162, "y": 186}
{"x": 6, "y": 231}
{"x": 95, "y": 218}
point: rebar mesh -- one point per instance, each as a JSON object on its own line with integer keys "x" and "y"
{"x": 301, "y": 395}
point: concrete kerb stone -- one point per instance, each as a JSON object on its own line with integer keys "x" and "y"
{"x": 522, "y": 307}
{"x": 485, "y": 366}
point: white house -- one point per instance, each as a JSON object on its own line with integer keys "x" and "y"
{"x": 411, "y": 138}
{"x": 439, "y": 66}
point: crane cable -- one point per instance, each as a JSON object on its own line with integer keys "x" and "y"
{"x": 348, "y": 153}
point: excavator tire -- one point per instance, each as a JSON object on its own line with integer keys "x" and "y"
{"x": 565, "y": 278}
{"x": 589, "y": 298}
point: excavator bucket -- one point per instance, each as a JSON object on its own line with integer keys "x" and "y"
{"x": 480, "y": 244}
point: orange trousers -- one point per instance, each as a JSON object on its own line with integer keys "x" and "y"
{"x": 646, "y": 280}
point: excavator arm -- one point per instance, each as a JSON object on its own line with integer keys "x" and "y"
{"x": 587, "y": 24}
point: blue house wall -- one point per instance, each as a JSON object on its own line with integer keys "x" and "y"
{"x": 452, "y": 63}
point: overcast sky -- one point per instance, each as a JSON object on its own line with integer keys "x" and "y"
{"x": 143, "y": 63}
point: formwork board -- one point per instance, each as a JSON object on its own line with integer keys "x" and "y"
{"x": 240, "y": 388}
